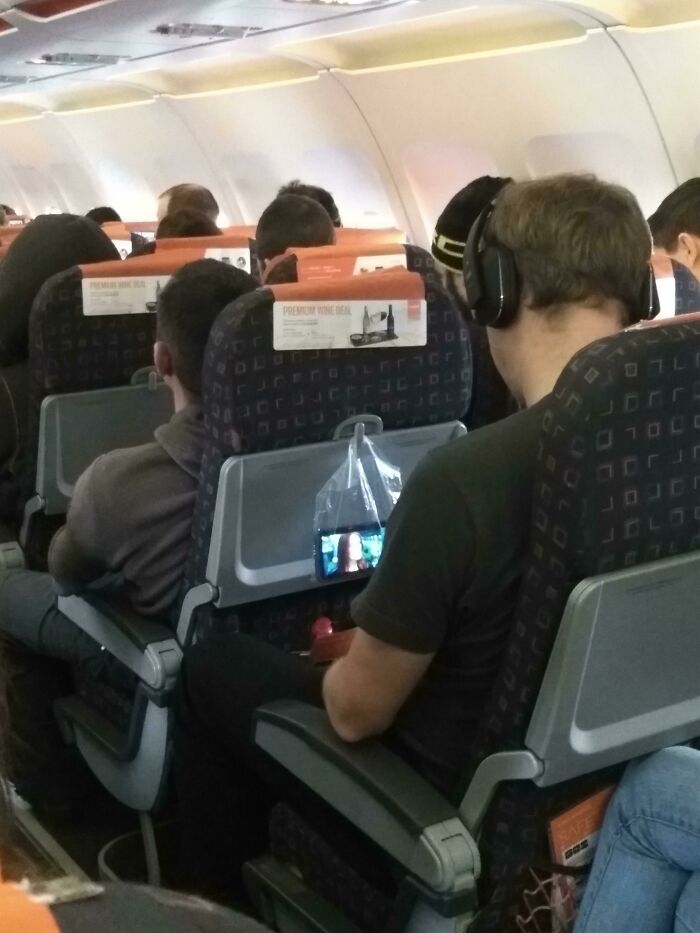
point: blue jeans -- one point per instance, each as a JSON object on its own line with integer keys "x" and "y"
{"x": 646, "y": 873}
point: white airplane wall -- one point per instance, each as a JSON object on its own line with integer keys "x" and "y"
{"x": 393, "y": 145}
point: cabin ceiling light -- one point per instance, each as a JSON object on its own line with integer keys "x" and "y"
{"x": 77, "y": 58}
{"x": 205, "y": 31}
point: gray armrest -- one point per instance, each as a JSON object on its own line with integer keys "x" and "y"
{"x": 377, "y": 791}
{"x": 145, "y": 646}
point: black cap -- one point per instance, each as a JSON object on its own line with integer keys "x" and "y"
{"x": 455, "y": 222}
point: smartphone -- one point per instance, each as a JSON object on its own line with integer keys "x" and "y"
{"x": 348, "y": 553}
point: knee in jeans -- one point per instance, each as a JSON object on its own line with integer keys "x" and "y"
{"x": 667, "y": 775}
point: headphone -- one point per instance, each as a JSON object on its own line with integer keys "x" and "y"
{"x": 493, "y": 284}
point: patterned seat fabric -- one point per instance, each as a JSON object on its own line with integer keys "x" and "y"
{"x": 618, "y": 484}
{"x": 256, "y": 399}
{"x": 491, "y": 398}
{"x": 69, "y": 352}
{"x": 687, "y": 289}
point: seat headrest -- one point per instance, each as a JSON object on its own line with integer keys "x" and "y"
{"x": 324, "y": 262}
{"x": 225, "y": 241}
{"x": 391, "y": 283}
{"x": 357, "y": 235}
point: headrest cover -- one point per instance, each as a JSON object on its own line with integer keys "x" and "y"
{"x": 344, "y": 235}
{"x": 203, "y": 242}
{"x": 375, "y": 285}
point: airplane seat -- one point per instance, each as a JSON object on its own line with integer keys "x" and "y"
{"x": 491, "y": 397}
{"x": 687, "y": 289}
{"x": 71, "y": 352}
{"x": 260, "y": 400}
{"x": 271, "y": 420}
{"x": 613, "y": 563}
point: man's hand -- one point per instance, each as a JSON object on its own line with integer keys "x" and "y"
{"x": 364, "y": 691}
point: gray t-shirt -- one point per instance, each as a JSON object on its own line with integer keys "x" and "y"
{"x": 131, "y": 515}
{"x": 134, "y": 909}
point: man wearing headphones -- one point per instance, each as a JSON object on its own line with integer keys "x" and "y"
{"x": 550, "y": 267}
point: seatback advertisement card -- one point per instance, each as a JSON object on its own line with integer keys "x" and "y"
{"x": 237, "y": 256}
{"x": 310, "y": 269}
{"x": 349, "y": 325}
{"x": 122, "y": 295}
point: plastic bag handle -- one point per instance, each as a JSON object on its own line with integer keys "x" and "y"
{"x": 348, "y": 428}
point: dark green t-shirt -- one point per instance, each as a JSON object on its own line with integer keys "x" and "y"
{"x": 448, "y": 580}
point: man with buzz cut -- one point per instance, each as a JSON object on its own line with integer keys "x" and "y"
{"x": 435, "y": 617}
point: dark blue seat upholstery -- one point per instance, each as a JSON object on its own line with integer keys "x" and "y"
{"x": 617, "y": 485}
{"x": 257, "y": 399}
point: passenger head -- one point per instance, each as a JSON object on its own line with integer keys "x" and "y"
{"x": 192, "y": 197}
{"x": 453, "y": 226}
{"x": 581, "y": 251}
{"x": 50, "y": 244}
{"x": 675, "y": 225}
{"x": 9, "y": 211}
{"x": 186, "y": 222}
{"x": 324, "y": 198}
{"x": 103, "y": 215}
{"x": 3, "y": 217}
{"x": 291, "y": 220}
{"x": 187, "y": 308}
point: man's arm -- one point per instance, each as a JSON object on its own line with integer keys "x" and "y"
{"x": 403, "y": 613}
{"x": 364, "y": 691}
{"x": 76, "y": 552}
{"x": 70, "y": 566}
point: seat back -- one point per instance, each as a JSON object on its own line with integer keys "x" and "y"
{"x": 367, "y": 237}
{"x": 78, "y": 427}
{"x": 89, "y": 328}
{"x": 616, "y": 487}
{"x": 230, "y": 248}
{"x": 258, "y": 399}
{"x": 678, "y": 289}
{"x": 326, "y": 262}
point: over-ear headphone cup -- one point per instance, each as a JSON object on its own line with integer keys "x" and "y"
{"x": 501, "y": 287}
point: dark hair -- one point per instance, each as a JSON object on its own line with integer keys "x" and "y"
{"x": 576, "y": 240}
{"x": 3, "y": 217}
{"x": 48, "y": 245}
{"x": 678, "y": 213}
{"x": 292, "y": 220}
{"x": 187, "y": 308}
{"x": 324, "y": 198}
{"x": 193, "y": 197}
{"x": 10, "y": 211}
{"x": 456, "y": 220}
{"x": 186, "y": 222}
{"x": 103, "y": 215}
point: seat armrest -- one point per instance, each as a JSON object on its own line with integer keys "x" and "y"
{"x": 147, "y": 647}
{"x": 377, "y": 791}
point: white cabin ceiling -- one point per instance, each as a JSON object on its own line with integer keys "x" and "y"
{"x": 291, "y": 41}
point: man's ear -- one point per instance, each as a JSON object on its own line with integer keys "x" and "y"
{"x": 163, "y": 359}
{"x": 686, "y": 250}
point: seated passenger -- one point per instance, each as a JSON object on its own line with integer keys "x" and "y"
{"x": 186, "y": 222}
{"x": 50, "y": 244}
{"x": 131, "y": 511}
{"x": 103, "y": 215}
{"x": 435, "y": 616}
{"x": 324, "y": 198}
{"x": 291, "y": 220}
{"x": 675, "y": 225}
{"x": 646, "y": 869}
{"x": 490, "y": 399}
{"x": 190, "y": 197}
{"x": 9, "y": 211}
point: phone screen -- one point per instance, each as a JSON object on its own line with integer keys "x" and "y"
{"x": 345, "y": 552}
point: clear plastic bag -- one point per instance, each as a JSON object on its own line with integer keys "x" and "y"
{"x": 352, "y": 509}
